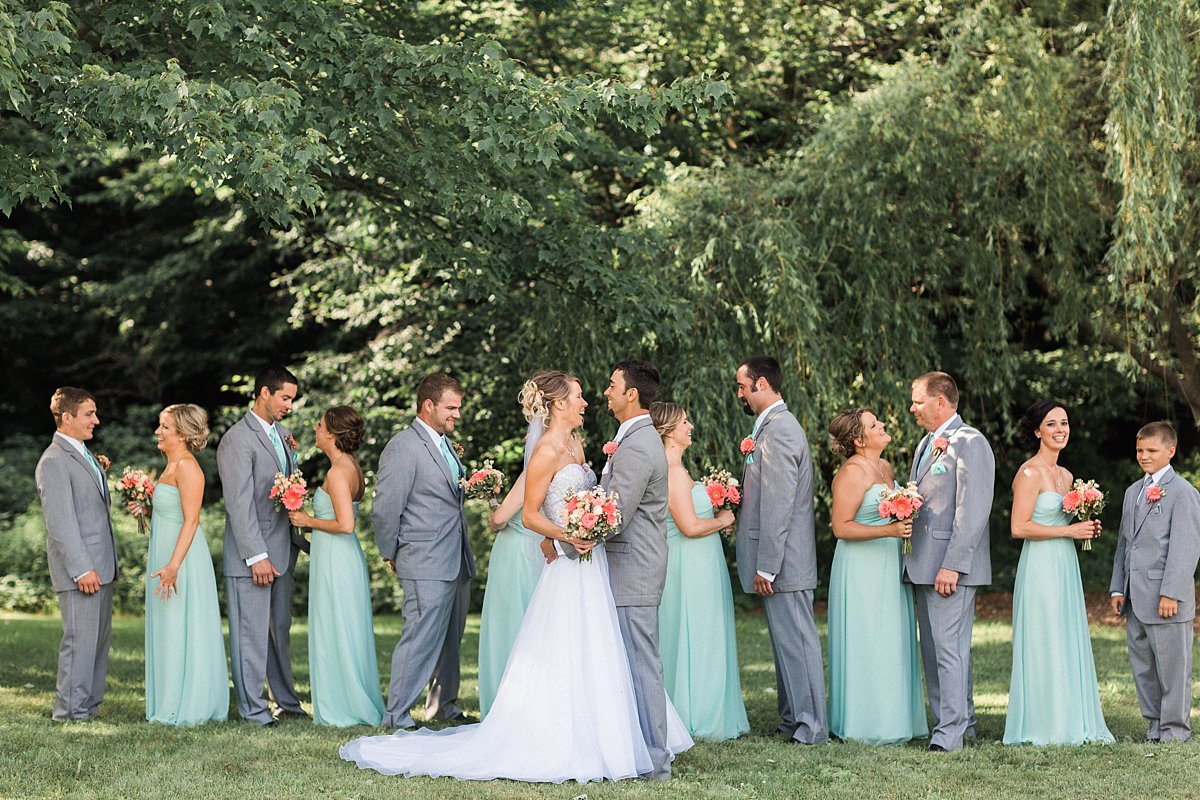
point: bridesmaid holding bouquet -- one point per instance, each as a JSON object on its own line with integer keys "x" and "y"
{"x": 1052, "y": 697}
{"x": 186, "y": 679}
{"x": 874, "y": 672}
{"x": 341, "y": 636}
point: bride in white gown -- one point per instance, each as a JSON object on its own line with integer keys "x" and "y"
{"x": 565, "y": 708}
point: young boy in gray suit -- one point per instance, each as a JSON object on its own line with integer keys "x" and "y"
{"x": 1154, "y": 584}
{"x": 81, "y": 553}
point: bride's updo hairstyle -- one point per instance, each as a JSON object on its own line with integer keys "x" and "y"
{"x": 844, "y": 430}
{"x": 191, "y": 423}
{"x": 542, "y": 391}
{"x": 666, "y": 417}
{"x": 1032, "y": 420}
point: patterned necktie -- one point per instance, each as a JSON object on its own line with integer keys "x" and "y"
{"x": 450, "y": 461}
{"x": 277, "y": 443}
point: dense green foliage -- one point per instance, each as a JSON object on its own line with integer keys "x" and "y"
{"x": 1005, "y": 190}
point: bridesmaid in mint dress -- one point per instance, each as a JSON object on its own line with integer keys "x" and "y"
{"x": 186, "y": 679}
{"x": 1052, "y": 697}
{"x": 874, "y": 668}
{"x": 514, "y": 566}
{"x": 341, "y": 637}
{"x": 697, "y": 639}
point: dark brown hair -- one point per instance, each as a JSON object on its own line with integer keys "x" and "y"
{"x": 67, "y": 400}
{"x": 434, "y": 385}
{"x": 640, "y": 375}
{"x": 345, "y": 425}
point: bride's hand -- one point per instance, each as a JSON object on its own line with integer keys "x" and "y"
{"x": 583, "y": 546}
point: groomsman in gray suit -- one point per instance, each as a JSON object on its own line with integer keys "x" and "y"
{"x": 421, "y": 529}
{"x": 776, "y": 546}
{"x": 81, "y": 552}
{"x": 955, "y": 472}
{"x": 1154, "y": 584}
{"x": 260, "y": 550}
{"x": 637, "y": 555}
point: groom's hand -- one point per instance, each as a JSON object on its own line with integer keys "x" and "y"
{"x": 763, "y": 586}
{"x": 945, "y": 582}
{"x": 264, "y": 572}
{"x": 89, "y": 582}
{"x": 548, "y": 550}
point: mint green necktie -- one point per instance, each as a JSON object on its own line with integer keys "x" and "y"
{"x": 277, "y": 443}
{"x": 925, "y": 451}
{"x": 450, "y": 461}
{"x": 95, "y": 465}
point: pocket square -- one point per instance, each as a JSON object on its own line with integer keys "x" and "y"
{"x": 938, "y": 469}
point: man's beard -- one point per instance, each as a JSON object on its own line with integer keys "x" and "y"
{"x": 746, "y": 408}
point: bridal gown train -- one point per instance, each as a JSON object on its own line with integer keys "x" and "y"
{"x": 565, "y": 709}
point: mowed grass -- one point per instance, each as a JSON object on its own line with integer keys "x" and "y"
{"x": 122, "y": 756}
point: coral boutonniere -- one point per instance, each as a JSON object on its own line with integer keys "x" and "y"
{"x": 103, "y": 461}
{"x": 291, "y": 442}
{"x": 747, "y": 448}
{"x": 610, "y": 449}
{"x": 940, "y": 445}
{"x": 1154, "y": 494}
{"x": 458, "y": 449}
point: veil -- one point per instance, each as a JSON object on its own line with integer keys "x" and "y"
{"x": 536, "y": 429}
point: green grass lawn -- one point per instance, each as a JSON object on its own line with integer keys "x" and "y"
{"x": 122, "y": 756}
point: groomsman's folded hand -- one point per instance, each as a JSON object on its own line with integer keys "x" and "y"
{"x": 89, "y": 582}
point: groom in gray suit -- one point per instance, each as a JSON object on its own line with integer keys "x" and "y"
{"x": 260, "y": 550}
{"x": 421, "y": 529}
{"x": 955, "y": 472}
{"x": 81, "y": 553}
{"x": 637, "y": 555}
{"x": 1154, "y": 584}
{"x": 776, "y": 546}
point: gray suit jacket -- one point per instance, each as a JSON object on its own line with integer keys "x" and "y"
{"x": 79, "y": 533}
{"x": 418, "y": 511}
{"x": 776, "y": 531}
{"x": 1157, "y": 549}
{"x": 951, "y": 529}
{"x": 637, "y": 556}
{"x": 253, "y": 522}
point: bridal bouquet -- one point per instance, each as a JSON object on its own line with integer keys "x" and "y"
{"x": 901, "y": 504}
{"x": 1084, "y": 501}
{"x": 591, "y": 515}
{"x": 137, "y": 490}
{"x": 485, "y": 483}
{"x": 289, "y": 491}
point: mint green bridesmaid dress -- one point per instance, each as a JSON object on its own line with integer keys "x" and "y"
{"x": 341, "y": 636}
{"x": 874, "y": 667}
{"x": 513, "y": 569}
{"x": 697, "y": 639}
{"x": 186, "y": 678}
{"x": 1052, "y": 697}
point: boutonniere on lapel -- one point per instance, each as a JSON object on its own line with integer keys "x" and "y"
{"x": 940, "y": 445}
{"x": 458, "y": 450}
{"x": 747, "y": 448}
{"x": 610, "y": 449}
{"x": 291, "y": 442}
{"x": 1154, "y": 494}
{"x": 103, "y": 461}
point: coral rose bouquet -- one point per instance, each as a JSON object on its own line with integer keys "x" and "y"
{"x": 901, "y": 504}
{"x": 591, "y": 515}
{"x": 1084, "y": 501}
{"x": 137, "y": 490}
{"x": 485, "y": 483}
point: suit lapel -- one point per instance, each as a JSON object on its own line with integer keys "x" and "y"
{"x": 1144, "y": 507}
{"x": 436, "y": 454}
{"x": 263, "y": 439}
{"x": 772, "y": 414}
{"x": 933, "y": 457}
{"x": 81, "y": 459}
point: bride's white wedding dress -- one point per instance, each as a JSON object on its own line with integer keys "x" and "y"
{"x": 565, "y": 709}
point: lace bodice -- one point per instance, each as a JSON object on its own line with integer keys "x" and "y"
{"x": 568, "y": 480}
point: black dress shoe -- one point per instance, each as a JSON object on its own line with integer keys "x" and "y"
{"x": 937, "y": 748}
{"x": 463, "y": 719}
{"x": 282, "y": 714}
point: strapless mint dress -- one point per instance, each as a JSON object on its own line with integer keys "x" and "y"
{"x": 187, "y": 682}
{"x": 341, "y": 636}
{"x": 697, "y": 638}
{"x": 1052, "y": 697}
{"x": 513, "y": 569}
{"x": 874, "y": 667}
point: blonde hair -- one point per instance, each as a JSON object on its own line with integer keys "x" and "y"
{"x": 542, "y": 391}
{"x": 666, "y": 417}
{"x": 191, "y": 423}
